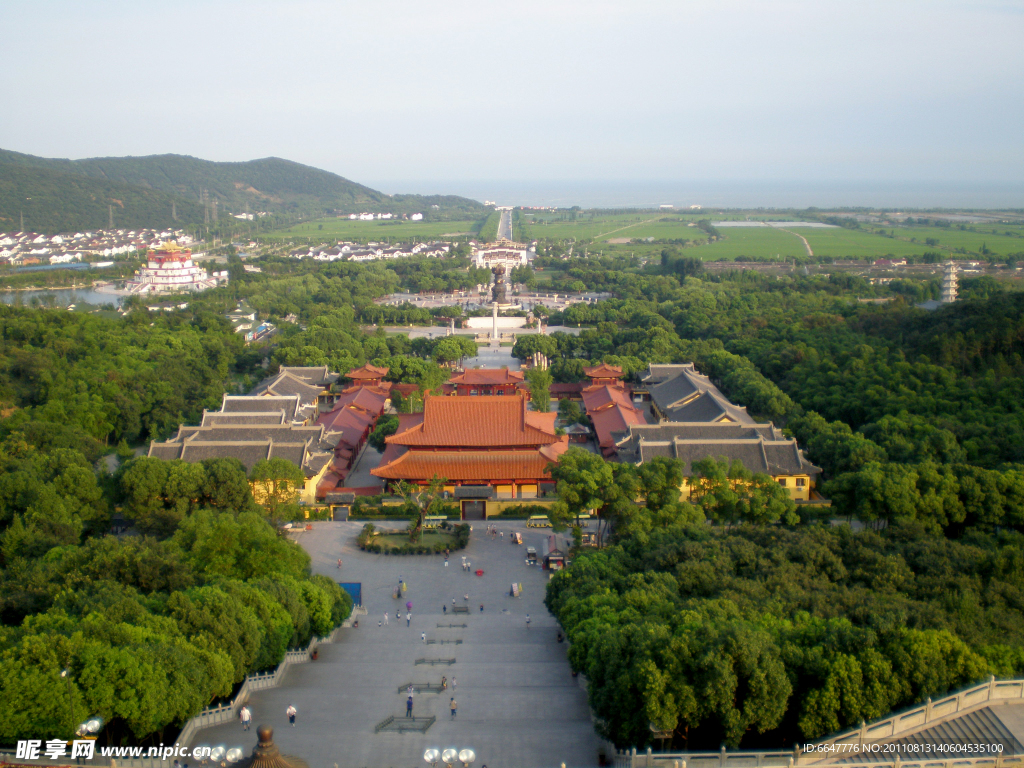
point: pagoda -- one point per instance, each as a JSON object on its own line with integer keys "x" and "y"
{"x": 949, "y": 284}
{"x": 169, "y": 269}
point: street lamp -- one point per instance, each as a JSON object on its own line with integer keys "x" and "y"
{"x": 234, "y": 755}
{"x": 66, "y": 673}
{"x": 217, "y": 753}
{"x": 431, "y": 756}
{"x": 467, "y": 756}
{"x": 449, "y": 756}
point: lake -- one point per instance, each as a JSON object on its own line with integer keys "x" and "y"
{"x": 61, "y": 297}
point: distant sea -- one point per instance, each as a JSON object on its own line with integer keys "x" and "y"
{"x": 720, "y": 194}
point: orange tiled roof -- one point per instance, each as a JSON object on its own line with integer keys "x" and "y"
{"x": 487, "y": 422}
{"x": 616, "y": 418}
{"x": 368, "y": 372}
{"x": 595, "y": 398}
{"x": 603, "y": 371}
{"x": 369, "y": 399}
{"x": 459, "y": 466}
{"x": 487, "y": 376}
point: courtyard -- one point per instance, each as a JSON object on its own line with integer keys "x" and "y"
{"x": 518, "y": 703}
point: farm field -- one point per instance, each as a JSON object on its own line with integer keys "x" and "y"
{"x": 397, "y": 231}
{"x": 600, "y": 227}
{"x": 753, "y": 242}
{"x": 861, "y": 245}
{"x": 994, "y": 238}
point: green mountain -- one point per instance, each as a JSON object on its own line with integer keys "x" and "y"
{"x": 50, "y": 201}
{"x": 70, "y": 194}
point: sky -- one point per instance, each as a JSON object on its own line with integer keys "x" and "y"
{"x": 648, "y": 97}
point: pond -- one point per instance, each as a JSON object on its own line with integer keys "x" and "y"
{"x": 62, "y": 297}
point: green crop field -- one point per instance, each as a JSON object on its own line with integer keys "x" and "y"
{"x": 601, "y": 227}
{"x": 752, "y": 242}
{"x": 396, "y": 231}
{"x": 861, "y": 245}
{"x": 994, "y": 238}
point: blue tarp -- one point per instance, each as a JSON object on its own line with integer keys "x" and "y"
{"x": 354, "y": 589}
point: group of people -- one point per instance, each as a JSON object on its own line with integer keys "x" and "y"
{"x": 245, "y": 716}
{"x": 492, "y": 531}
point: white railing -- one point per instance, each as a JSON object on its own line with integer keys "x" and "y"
{"x": 900, "y": 724}
{"x": 212, "y": 716}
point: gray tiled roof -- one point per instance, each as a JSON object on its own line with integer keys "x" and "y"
{"x": 261, "y": 404}
{"x": 656, "y": 374}
{"x": 708, "y": 407}
{"x": 248, "y": 433}
{"x": 778, "y": 457}
{"x": 165, "y": 451}
{"x": 247, "y": 453}
{"x": 219, "y": 418}
{"x": 669, "y": 430}
{"x": 286, "y": 384}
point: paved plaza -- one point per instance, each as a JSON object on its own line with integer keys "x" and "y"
{"x": 518, "y": 703}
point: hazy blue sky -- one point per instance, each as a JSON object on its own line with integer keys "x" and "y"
{"x": 437, "y": 94}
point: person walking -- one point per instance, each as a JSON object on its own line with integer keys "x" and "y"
{"x": 408, "y": 706}
{"x": 246, "y": 717}
{"x": 444, "y": 609}
{"x": 527, "y": 621}
{"x": 455, "y": 682}
{"x": 454, "y": 706}
{"x": 408, "y": 618}
{"x": 385, "y": 618}
{"x": 423, "y": 637}
{"x": 444, "y": 682}
{"x": 291, "y": 712}
{"x": 339, "y": 562}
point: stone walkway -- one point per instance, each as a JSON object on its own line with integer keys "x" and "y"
{"x": 518, "y": 703}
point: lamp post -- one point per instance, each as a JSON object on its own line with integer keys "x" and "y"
{"x": 449, "y": 756}
{"x": 66, "y": 673}
{"x": 431, "y": 756}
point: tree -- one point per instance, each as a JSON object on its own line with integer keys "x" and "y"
{"x": 276, "y": 485}
{"x": 539, "y": 381}
{"x": 386, "y": 426}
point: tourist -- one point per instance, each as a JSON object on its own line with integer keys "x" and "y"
{"x": 444, "y": 682}
{"x": 481, "y": 607}
{"x": 339, "y": 562}
{"x": 527, "y": 621}
{"x": 385, "y": 618}
{"x": 408, "y": 618}
{"x": 408, "y": 706}
{"x": 246, "y": 717}
{"x": 423, "y": 637}
{"x": 444, "y": 609}
{"x": 454, "y": 707}
{"x": 291, "y": 712}
{"x": 455, "y": 683}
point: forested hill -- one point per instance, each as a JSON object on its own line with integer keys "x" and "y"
{"x": 270, "y": 184}
{"x": 52, "y": 201}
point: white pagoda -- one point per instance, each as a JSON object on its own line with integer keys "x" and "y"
{"x": 169, "y": 269}
{"x": 949, "y": 284}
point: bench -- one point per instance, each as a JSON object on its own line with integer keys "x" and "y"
{"x": 460, "y": 609}
{"x": 449, "y": 662}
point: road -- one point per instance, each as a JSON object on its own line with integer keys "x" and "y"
{"x": 505, "y": 226}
